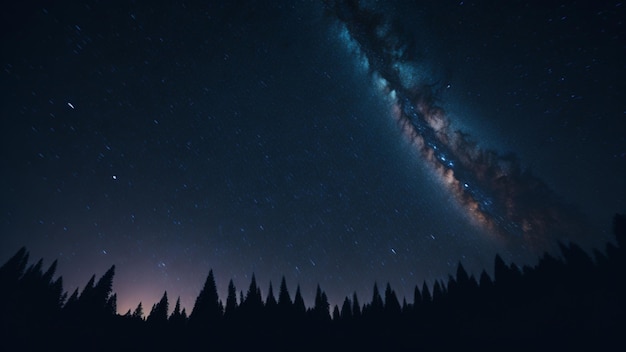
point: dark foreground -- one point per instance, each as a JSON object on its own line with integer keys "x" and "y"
{"x": 571, "y": 302}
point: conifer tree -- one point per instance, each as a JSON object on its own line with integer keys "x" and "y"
{"x": 346, "y": 309}
{"x": 176, "y": 311}
{"x": 461, "y": 276}
{"x": 104, "y": 287}
{"x": 178, "y": 317}
{"x": 485, "y": 280}
{"x": 437, "y": 292}
{"x": 49, "y": 274}
{"x": 284, "y": 300}
{"x": 13, "y": 269}
{"x": 138, "y": 312}
{"x": 253, "y": 301}
{"x": 376, "y": 305}
{"x": 298, "y": 303}
{"x": 356, "y": 307}
{"x": 392, "y": 305}
{"x": 231, "y": 299}
{"x": 417, "y": 297}
{"x": 158, "y": 314}
{"x": 501, "y": 271}
{"x": 71, "y": 303}
{"x": 270, "y": 301}
{"x": 207, "y": 309}
{"x": 321, "y": 307}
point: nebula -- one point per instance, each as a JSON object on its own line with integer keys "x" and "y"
{"x": 496, "y": 192}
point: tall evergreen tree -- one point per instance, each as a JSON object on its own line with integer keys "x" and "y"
{"x": 462, "y": 278}
{"x": 298, "y": 303}
{"x": 485, "y": 280}
{"x": 376, "y": 306}
{"x": 356, "y": 307}
{"x": 417, "y": 297}
{"x": 49, "y": 274}
{"x": 178, "y": 318}
{"x": 138, "y": 312}
{"x": 71, "y": 304}
{"x": 346, "y": 309}
{"x": 13, "y": 269}
{"x": 437, "y": 291}
{"x": 104, "y": 287}
{"x": 95, "y": 300}
{"x": 284, "y": 300}
{"x": 254, "y": 300}
{"x": 207, "y": 309}
{"x": 392, "y": 305}
{"x": 270, "y": 301}
{"x": 321, "y": 309}
{"x": 501, "y": 271}
{"x": 231, "y": 299}
{"x": 176, "y": 311}
{"x": 87, "y": 293}
{"x": 158, "y": 314}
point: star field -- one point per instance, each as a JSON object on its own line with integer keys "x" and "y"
{"x": 172, "y": 139}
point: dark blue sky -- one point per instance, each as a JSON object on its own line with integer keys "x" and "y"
{"x": 244, "y": 137}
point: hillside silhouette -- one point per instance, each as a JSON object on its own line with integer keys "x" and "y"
{"x": 574, "y": 301}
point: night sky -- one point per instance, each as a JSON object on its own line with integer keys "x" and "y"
{"x": 252, "y": 137}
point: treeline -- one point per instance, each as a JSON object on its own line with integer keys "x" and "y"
{"x": 574, "y": 301}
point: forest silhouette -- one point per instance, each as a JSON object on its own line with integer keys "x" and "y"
{"x": 574, "y": 301}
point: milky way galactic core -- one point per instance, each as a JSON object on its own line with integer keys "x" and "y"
{"x": 498, "y": 195}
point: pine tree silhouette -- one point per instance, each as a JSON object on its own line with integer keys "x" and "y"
{"x": 376, "y": 306}
{"x": 178, "y": 318}
{"x": 320, "y": 311}
{"x": 284, "y": 300}
{"x": 207, "y": 311}
{"x": 392, "y": 305}
{"x": 356, "y": 307}
{"x": 270, "y": 301}
{"x": 13, "y": 269}
{"x": 346, "y": 310}
{"x": 138, "y": 312}
{"x": 485, "y": 280}
{"x": 158, "y": 314}
{"x": 437, "y": 292}
{"x": 298, "y": 304}
{"x": 231, "y": 300}
{"x": 253, "y": 302}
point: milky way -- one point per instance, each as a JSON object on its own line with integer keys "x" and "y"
{"x": 496, "y": 192}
